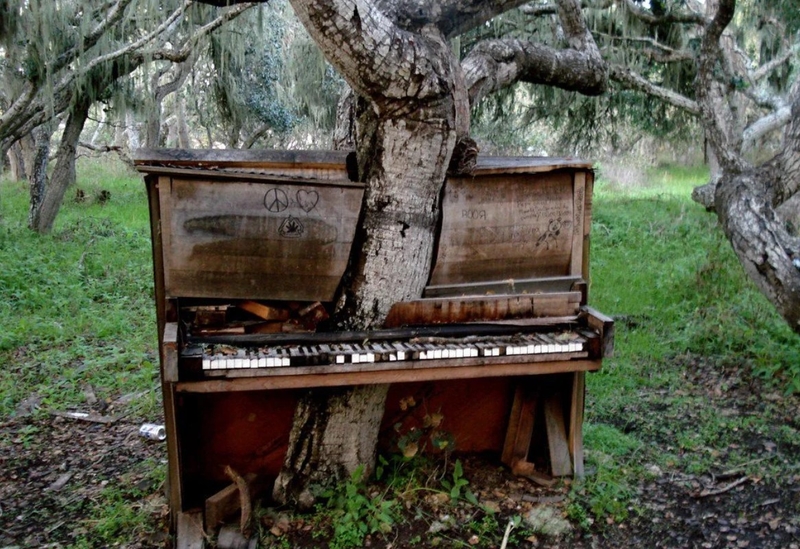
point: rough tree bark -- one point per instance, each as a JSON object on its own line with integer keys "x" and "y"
{"x": 45, "y": 210}
{"x": 746, "y": 196}
{"x": 37, "y": 180}
{"x": 407, "y": 131}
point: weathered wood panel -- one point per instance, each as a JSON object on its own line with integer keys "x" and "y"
{"x": 306, "y": 164}
{"x": 256, "y": 240}
{"x": 498, "y": 227}
{"x": 482, "y": 308}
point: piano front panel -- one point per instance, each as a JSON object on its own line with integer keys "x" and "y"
{"x": 256, "y": 239}
{"x": 499, "y": 227}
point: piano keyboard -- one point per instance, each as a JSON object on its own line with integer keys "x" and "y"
{"x": 222, "y": 357}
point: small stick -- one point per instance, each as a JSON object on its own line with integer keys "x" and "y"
{"x": 507, "y": 534}
{"x": 726, "y": 488}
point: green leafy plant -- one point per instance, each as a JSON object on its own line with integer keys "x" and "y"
{"x": 355, "y": 513}
{"x": 456, "y": 485}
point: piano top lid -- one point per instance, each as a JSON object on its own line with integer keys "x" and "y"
{"x": 237, "y": 158}
{"x": 252, "y": 160}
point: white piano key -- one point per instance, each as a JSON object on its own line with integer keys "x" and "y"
{"x": 370, "y": 357}
{"x": 262, "y": 362}
{"x": 437, "y": 353}
{"x": 206, "y": 364}
{"x": 339, "y": 359}
{"x": 285, "y": 361}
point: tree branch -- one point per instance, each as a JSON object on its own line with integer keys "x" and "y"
{"x": 185, "y": 51}
{"x": 764, "y": 125}
{"x": 113, "y": 16}
{"x": 765, "y": 69}
{"x": 537, "y": 10}
{"x": 496, "y": 64}
{"x": 632, "y": 81}
{"x": 690, "y": 17}
{"x": 367, "y": 47}
{"x": 710, "y": 97}
{"x": 669, "y": 55}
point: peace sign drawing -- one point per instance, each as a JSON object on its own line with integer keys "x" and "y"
{"x": 276, "y": 200}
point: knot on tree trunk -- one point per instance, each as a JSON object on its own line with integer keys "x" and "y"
{"x": 465, "y": 157}
{"x": 704, "y": 195}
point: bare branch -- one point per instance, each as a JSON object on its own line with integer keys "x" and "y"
{"x": 710, "y": 96}
{"x": 669, "y": 55}
{"x": 765, "y": 69}
{"x": 761, "y": 127}
{"x": 184, "y": 53}
{"x": 537, "y": 10}
{"x": 113, "y": 16}
{"x": 690, "y": 17}
{"x": 133, "y": 46}
{"x": 632, "y": 81}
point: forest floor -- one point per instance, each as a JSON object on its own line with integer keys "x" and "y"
{"x": 55, "y": 468}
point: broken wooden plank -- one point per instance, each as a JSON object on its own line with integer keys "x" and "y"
{"x": 603, "y": 325}
{"x": 560, "y": 462}
{"x": 264, "y": 312}
{"x": 227, "y": 501}
{"x": 576, "y": 422}
{"x": 482, "y": 309}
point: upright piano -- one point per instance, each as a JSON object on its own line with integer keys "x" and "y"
{"x": 249, "y": 248}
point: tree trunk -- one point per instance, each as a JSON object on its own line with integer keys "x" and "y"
{"x": 406, "y": 134}
{"x": 37, "y": 179}
{"x": 746, "y": 196}
{"x": 64, "y": 172}
{"x": 16, "y": 162}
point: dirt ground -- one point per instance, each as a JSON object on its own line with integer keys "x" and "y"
{"x": 54, "y": 470}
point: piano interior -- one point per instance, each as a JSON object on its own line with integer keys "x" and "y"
{"x": 249, "y": 248}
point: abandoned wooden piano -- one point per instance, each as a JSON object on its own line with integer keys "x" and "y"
{"x": 249, "y": 248}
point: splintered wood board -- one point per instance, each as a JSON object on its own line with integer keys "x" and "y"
{"x": 256, "y": 240}
{"x": 507, "y": 226}
{"x": 482, "y": 308}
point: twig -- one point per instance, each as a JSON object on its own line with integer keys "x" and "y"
{"x": 726, "y": 488}
{"x": 507, "y": 534}
{"x": 730, "y": 473}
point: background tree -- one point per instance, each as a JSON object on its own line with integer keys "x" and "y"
{"x": 59, "y": 58}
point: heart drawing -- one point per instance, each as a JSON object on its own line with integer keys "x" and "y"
{"x": 307, "y": 200}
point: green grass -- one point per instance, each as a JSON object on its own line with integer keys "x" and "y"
{"x": 76, "y": 306}
{"x": 685, "y": 312}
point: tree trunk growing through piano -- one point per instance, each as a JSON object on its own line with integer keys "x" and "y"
{"x": 413, "y": 109}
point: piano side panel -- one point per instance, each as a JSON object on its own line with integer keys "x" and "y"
{"x": 579, "y": 201}
{"x": 499, "y": 227}
{"x": 587, "y": 226}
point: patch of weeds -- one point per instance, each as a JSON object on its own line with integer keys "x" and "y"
{"x": 456, "y": 485}
{"x": 353, "y": 512}
{"x": 604, "y": 496}
{"x": 123, "y": 511}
